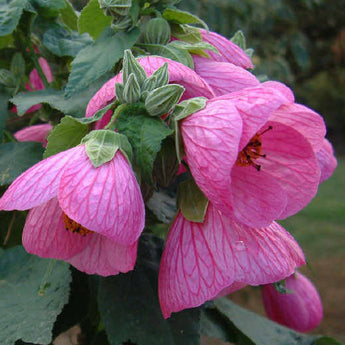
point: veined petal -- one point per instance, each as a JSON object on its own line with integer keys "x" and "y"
{"x": 37, "y": 184}
{"x": 291, "y": 160}
{"x": 255, "y": 106}
{"x": 231, "y": 288}
{"x": 45, "y": 235}
{"x": 310, "y": 124}
{"x": 256, "y": 197}
{"x": 106, "y": 199}
{"x": 211, "y": 138}
{"x": 229, "y": 51}
{"x": 282, "y": 88}
{"x": 34, "y": 133}
{"x": 326, "y": 160}
{"x": 200, "y": 260}
{"x": 105, "y": 257}
{"x": 223, "y": 77}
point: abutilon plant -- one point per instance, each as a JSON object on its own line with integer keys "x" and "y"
{"x": 170, "y": 178}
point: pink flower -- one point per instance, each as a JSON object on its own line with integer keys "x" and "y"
{"x": 36, "y": 82}
{"x": 253, "y": 154}
{"x": 300, "y": 309}
{"x": 101, "y": 208}
{"x": 229, "y": 51}
{"x": 195, "y": 86}
{"x": 326, "y": 160}
{"x": 200, "y": 260}
{"x": 36, "y": 133}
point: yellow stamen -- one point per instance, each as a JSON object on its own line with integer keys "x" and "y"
{"x": 73, "y": 226}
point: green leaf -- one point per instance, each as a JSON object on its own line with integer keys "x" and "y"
{"x": 94, "y": 61}
{"x": 69, "y": 16}
{"x": 192, "y": 201}
{"x": 6, "y": 41}
{"x": 48, "y": 8}
{"x": 15, "y": 158}
{"x": 145, "y": 134}
{"x": 130, "y": 310}
{"x": 171, "y": 52}
{"x": 188, "y": 107}
{"x": 93, "y": 20}
{"x": 62, "y": 42}
{"x": 4, "y": 98}
{"x": 10, "y": 13}
{"x": 182, "y": 17}
{"x": 30, "y": 299}
{"x": 97, "y": 115}
{"x": 195, "y": 48}
{"x": 74, "y": 106}
{"x": 102, "y": 145}
{"x": 186, "y": 33}
{"x": 258, "y": 329}
{"x": 67, "y": 134}
{"x": 326, "y": 341}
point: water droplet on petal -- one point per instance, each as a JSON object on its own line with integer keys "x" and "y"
{"x": 240, "y": 246}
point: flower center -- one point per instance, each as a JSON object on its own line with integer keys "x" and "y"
{"x": 73, "y": 226}
{"x": 252, "y": 151}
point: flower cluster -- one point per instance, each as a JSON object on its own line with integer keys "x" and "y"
{"x": 254, "y": 153}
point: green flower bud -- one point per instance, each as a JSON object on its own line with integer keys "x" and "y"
{"x": 157, "y": 31}
{"x": 7, "y": 78}
{"x": 122, "y": 24}
{"x": 131, "y": 91}
{"x": 119, "y": 7}
{"x": 161, "y": 100}
{"x": 119, "y": 88}
{"x": 159, "y": 78}
{"x": 131, "y": 65}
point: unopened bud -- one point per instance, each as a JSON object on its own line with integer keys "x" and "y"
{"x": 7, "y": 78}
{"x": 120, "y": 7}
{"x": 131, "y": 65}
{"x": 161, "y": 100}
{"x": 119, "y": 88}
{"x": 157, "y": 31}
{"x": 131, "y": 91}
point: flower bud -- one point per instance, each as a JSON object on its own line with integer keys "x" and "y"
{"x": 161, "y": 100}
{"x": 159, "y": 78}
{"x": 131, "y": 91}
{"x": 117, "y": 7}
{"x": 300, "y": 308}
{"x": 7, "y": 78}
{"x": 131, "y": 65}
{"x": 157, "y": 31}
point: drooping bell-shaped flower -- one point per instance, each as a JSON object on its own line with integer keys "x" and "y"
{"x": 80, "y": 213}
{"x": 200, "y": 260}
{"x": 326, "y": 160}
{"x": 299, "y": 308}
{"x": 248, "y": 164}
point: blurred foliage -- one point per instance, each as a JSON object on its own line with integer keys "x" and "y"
{"x": 301, "y": 43}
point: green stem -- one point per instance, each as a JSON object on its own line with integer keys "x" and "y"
{"x": 117, "y": 112}
{"x": 34, "y": 118}
{"x": 37, "y": 65}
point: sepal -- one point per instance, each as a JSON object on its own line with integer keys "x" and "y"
{"x": 102, "y": 145}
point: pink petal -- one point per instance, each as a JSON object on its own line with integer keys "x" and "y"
{"x": 257, "y": 198}
{"x": 37, "y": 184}
{"x": 106, "y": 199}
{"x": 211, "y": 138}
{"x": 45, "y": 234}
{"x": 326, "y": 160}
{"x": 105, "y": 257}
{"x": 301, "y": 309}
{"x": 178, "y": 73}
{"x": 231, "y": 288}
{"x": 200, "y": 260}
{"x": 255, "y": 106}
{"x": 282, "y": 88}
{"x": 34, "y": 133}
{"x": 35, "y": 78}
{"x": 223, "y": 77}
{"x": 310, "y": 124}
{"x": 291, "y": 160}
{"x": 229, "y": 51}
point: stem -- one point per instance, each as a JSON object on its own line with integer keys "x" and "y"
{"x": 37, "y": 65}
{"x": 34, "y": 119}
{"x": 10, "y": 226}
{"x": 117, "y": 112}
